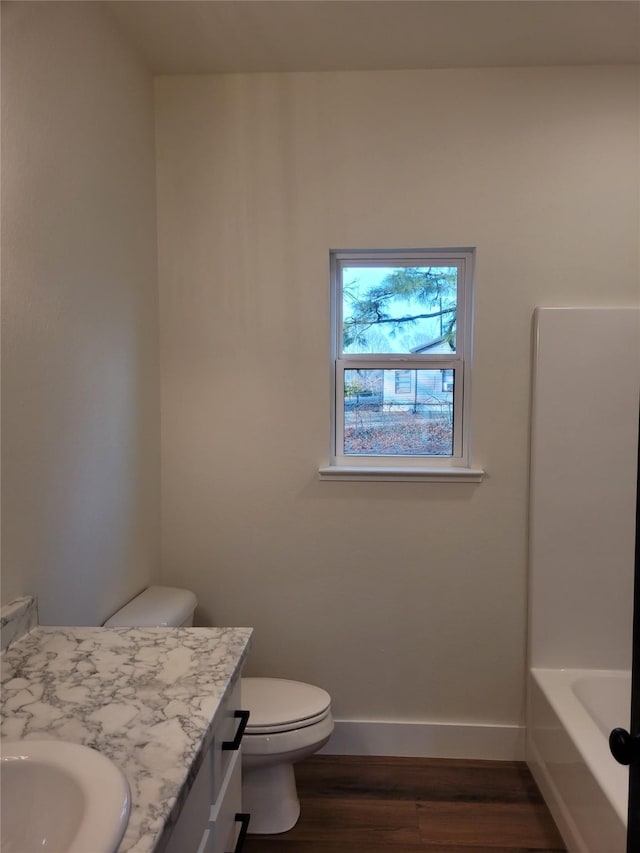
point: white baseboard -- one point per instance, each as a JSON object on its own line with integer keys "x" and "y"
{"x": 427, "y": 740}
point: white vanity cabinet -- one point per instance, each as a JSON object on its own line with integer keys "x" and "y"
{"x": 192, "y": 668}
{"x": 211, "y": 820}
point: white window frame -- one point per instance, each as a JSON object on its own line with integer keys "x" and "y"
{"x": 435, "y": 468}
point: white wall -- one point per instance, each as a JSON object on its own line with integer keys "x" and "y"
{"x": 80, "y": 434}
{"x": 406, "y": 601}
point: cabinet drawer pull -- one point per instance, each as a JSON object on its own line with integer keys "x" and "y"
{"x": 244, "y": 820}
{"x": 234, "y": 744}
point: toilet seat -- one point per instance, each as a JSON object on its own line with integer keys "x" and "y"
{"x": 292, "y": 744}
{"x": 279, "y": 705}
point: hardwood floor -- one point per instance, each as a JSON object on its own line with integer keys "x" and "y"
{"x": 352, "y": 804}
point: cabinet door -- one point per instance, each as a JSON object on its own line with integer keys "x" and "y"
{"x": 187, "y": 834}
{"x": 223, "y": 826}
{"x": 228, "y": 736}
{"x": 207, "y": 823}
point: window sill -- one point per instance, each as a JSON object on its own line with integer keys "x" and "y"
{"x": 401, "y": 475}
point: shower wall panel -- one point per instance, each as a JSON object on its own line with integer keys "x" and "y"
{"x": 583, "y": 478}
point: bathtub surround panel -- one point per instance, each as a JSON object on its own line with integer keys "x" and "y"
{"x": 582, "y": 529}
{"x": 584, "y": 441}
{"x": 406, "y": 601}
{"x": 80, "y": 400}
{"x": 148, "y": 698}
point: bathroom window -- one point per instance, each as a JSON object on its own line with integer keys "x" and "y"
{"x": 400, "y": 364}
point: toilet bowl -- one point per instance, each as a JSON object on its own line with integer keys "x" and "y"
{"x": 288, "y": 720}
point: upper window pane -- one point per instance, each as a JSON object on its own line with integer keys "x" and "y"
{"x": 404, "y": 310}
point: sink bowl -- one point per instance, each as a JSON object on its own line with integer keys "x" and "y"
{"x": 60, "y": 797}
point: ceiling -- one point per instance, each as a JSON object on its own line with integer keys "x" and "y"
{"x": 206, "y": 36}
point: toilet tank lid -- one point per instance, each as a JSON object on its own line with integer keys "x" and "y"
{"x": 156, "y": 606}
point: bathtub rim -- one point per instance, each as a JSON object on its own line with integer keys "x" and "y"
{"x": 556, "y": 685}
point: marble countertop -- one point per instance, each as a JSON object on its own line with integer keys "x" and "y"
{"x": 148, "y": 698}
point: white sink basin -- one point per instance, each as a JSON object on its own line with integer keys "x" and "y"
{"x": 60, "y": 797}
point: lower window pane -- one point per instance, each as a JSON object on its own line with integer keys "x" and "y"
{"x": 398, "y": 412}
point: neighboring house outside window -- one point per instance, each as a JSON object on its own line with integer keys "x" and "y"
{"x": 401, "y": 358}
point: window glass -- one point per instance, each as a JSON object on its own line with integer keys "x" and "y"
{"x": 399, "y": 309}
{"x": 398, "y": 412}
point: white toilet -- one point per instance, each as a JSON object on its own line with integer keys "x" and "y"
{"x": 288, "y": 720}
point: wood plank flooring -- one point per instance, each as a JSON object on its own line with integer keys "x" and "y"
{"x": 353, "y": 804}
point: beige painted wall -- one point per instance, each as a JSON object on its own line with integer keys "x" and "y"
{"x": 80, "y": 434}
{"x": 406, "y": 601}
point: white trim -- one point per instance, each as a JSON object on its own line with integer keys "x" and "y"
{"x": 376, "y": 257}
{"x": 427, "y": 740}
{"x": 401, "y": 475}
{"x": 204, "y": 841}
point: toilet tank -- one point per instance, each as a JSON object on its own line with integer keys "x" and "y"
{"x": 156, "y": 606}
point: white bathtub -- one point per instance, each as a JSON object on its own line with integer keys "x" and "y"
{"x": 569, "y": 716}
